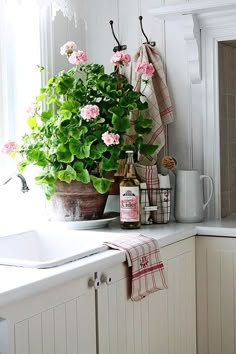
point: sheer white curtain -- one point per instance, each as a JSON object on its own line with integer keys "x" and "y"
{"x": 25, "y": 41}
{"x": 19, "y": 56}
{"x": 20, "y": 81}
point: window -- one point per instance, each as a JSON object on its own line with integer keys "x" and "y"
{"x": 26, "y": 40}
{"x": 19, "y": 76}
{"x": 20, "y": 81}
{"x": 19, "y": 55}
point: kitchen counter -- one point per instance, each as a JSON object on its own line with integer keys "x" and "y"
{"x": 17, "y": 283}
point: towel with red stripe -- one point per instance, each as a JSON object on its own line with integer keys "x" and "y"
{"x": 143, "y": 255}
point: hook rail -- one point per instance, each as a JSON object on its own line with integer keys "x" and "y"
{"x": 119, "y": 46}
{"x": 152, "y": 44}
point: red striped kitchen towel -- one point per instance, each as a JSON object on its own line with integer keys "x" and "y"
{"x": 143, "y": 254}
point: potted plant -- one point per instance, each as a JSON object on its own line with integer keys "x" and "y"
{"x": 78, "y": 126}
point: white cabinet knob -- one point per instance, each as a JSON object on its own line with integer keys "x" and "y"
{"x": 94, "y": 283}
{"x": 106, "y": 278}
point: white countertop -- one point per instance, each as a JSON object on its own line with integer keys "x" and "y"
{"x": 17, "y": 283}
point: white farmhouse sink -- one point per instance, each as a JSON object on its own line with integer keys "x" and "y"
{"x": 48, "y": 248}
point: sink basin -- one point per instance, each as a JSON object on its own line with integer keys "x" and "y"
{"x": 48, "y": 248}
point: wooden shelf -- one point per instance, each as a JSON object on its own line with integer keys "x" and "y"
{"x": 198, "y": 7}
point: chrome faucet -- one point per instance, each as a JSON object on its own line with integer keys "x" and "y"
{"x": 24, "y": 187}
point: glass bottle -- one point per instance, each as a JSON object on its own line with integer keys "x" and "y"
{"x": 130, "y": 196}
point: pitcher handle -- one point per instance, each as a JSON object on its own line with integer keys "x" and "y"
{"x": 212, "y": 188}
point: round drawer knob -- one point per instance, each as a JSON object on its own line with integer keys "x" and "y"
{"x": 106, "y": 278}
{"x": 94, "y": 283}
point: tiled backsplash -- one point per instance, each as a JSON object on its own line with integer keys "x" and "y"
{"x": 227, "y": 99}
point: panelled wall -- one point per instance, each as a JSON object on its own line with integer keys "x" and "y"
{"x": 93, "y": 34}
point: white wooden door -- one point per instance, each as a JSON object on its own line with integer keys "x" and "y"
{"x": 59, "y": 321}
{"x": 216, "y": 295}
{"x": 163, "y": 322}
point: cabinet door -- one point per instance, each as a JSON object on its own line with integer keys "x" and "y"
{"x": 216, "y": 294}
{"x": 162, "y": 323}
{"x": 61, "y": 321}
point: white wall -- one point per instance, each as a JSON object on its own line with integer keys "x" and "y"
{"x": 94, "y": 35}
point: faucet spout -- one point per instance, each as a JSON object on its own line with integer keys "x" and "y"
{"x": 24, "y": 187}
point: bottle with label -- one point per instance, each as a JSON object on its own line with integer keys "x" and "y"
{"x": 130, "y": 196}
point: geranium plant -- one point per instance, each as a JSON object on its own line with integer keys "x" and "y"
{"x": 78, "y": 124}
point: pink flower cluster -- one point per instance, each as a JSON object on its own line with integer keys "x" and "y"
{"x": 77, "y": 58}
{"x": 67, "y": 48}
{"x": 89, "y": 112}
{"x": 121, "y": 58}
{"x": 9, "y": 147}
{"x": 110, "y": 138}
{"x": 144, "y": 68}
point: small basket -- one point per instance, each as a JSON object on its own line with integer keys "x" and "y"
{"x": 155, "y": 205}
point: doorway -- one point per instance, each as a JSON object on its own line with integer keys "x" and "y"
{"x": 227, "y": 125}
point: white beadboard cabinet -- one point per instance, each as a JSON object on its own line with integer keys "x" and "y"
{"x": 216, "y": 294}
{"x": 76, "y": 318}
{"x": 162, "y": 323}
{"x": 59, "y": 321}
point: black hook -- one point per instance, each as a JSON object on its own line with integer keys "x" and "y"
{"x": 120, "y": 46}
{"x": 152, "y": 44}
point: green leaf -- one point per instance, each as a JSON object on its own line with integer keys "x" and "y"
{"x": 96, "y": 121}
{"x": 49, "y": 190}
{"x": 78, "y": 166}
{"x": 141, "y": 106}
{"x": 53, "y": 99}
{"x": 83, "y": 176}
{"x": 67, "y": 175}
{"x": 146, "y": 149}
{"x": 143, "y": 125}
{"x": 45, "y": 178}
{"x": 109, "y": 164}
{"x": 65, "y": 121}
{"x": 64, "y": 154}
{"x": 97, "y": 151}
{"x": 47, "y": 181}
{"x": 78, "y": 132}
{"x": 101, "y": 184}
{"x": 80, "y": 150}
{"x": 22, "y": 165}
{"x": 38, "y": 157}
{"x": 128, "y": 147}
{"x": 120, "y": 124}
{"x": 32, "y": 122}
{"x": 40, "y": 98}
{"x": 126, "y": 102}
{"x": 46, "y": 115}
{"x": 117, "y": 111}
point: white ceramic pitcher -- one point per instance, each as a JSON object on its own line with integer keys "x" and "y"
{"x": 189, "y": 204}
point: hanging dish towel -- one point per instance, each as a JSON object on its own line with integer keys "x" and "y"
{"x": 143, "y": 255}
{"x": 157, "y": 96}
{"x": 149, "y": 175}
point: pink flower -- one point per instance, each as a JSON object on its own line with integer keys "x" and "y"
{"x": 67, "y": 48}
{"x": 9, "y": 147}
{"x": 77, "y": 58}
{"x": 31, "y": 110}
{"x": 121, "y": 58}
{"x": 144, "y": 68}
{"x": 89, "y": 111}
{"x": 110, "y": 138}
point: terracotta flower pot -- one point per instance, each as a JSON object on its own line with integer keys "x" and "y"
{"x": 76, "y": 202}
